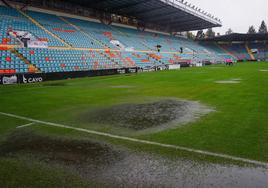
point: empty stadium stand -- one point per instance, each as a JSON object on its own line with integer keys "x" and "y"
{"x": 83, "y": 45}
{"x": 242, "y": 47}
{"x": 238, "y": 50}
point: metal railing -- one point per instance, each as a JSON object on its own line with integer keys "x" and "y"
{"x": 191, "y": 9}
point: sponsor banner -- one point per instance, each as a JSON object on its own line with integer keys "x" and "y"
{"x": 121, "y": 71}
{"x": 64, "y": 30}
{"x": 32, "y": 40}
{"x": 31, "y": 79}
{"x": 132, "y": 70}
{"x": 118, "y": 44}
{"x": 130, "y": 49}
{"x": 21, "y": 34}
{"x": 254, "y": 51}
{"x": 41, "y": 77}
{"x": 37, "y": 44}
{"x": 8, "y": 80}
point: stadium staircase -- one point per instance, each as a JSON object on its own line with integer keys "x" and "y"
{"x": 249, "y": 52}
{"x": 6, "y": 3}
{"x": 31, "y": 68}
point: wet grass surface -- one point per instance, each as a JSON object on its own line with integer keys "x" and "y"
{"x": 238, "y": 127}
{"x": 84, "y": 161}
{"x": 143, "y": 116}
{"x": 15, "y": 173}
{"x": 55, "y": 84}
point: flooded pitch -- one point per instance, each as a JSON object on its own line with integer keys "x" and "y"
{"x": 154, "y": 116}
{"x": 120, "y": 167}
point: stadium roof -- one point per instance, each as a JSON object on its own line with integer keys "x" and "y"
{"x": 174, "y": 15}
{"x": 238, "y": 37}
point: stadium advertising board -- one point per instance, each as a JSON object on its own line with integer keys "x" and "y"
{"x": 37, "y": 44}
{"x": 28, "y": 39}
{"x": 31, "y": 79}
{"x": 8, "y": 80}
{"x": 41, "y": 77}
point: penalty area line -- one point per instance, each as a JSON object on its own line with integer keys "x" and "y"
{"x": 202, "y": 152}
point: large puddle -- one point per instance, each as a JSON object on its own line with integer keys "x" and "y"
{"x": 154, "y": 115}
{"x": 72, "y": 152}
{"x": 123, "y": 168}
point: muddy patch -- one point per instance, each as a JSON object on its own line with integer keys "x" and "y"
{"x": 157, "y": 115}
{"x": 72, "y": 152}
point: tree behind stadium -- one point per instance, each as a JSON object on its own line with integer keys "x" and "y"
{"x": 210, "y": 33}
{"x": 230, "y": 31}
{"x": 263, "y": 28}
{"x": 252, "y": 30}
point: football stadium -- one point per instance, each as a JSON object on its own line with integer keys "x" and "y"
{"x": 116, "y": 93}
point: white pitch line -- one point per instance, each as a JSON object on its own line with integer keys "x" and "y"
{"x": 26, "y": 125}
{"x": 207, "y": 153}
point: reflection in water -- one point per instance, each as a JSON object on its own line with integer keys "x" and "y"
{"x": 138, "y": 170}
{"x": 115, "y": 167}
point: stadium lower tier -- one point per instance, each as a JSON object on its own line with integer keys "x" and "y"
{"x": 42, "y": 60}
{"x": 243, "y": 51}
{"x": 238, "y": 50}
{"x": 80, "y": 45}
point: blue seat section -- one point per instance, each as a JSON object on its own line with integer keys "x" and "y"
{"x": 129, "y": 37}
{"x": 8, "y": 18}
{"x": 64, "y": 30}
{"x": 10, "y": 63}
{"x": 94, "y": 29}
{"x": 218, "y": 50}
{"x": 141, "y": 60}
{"x": 238, "y": 50}
{"x": 54, "y": 60}
{"x": 11, "y": 18}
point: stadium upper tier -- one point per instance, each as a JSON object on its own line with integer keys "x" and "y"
{"x": 172, "y": 15}
{"x": 80, "y": 45}
{"x": 163, "y": 15}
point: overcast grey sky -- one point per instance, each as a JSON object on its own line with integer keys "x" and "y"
{"x": 236, "y": 14}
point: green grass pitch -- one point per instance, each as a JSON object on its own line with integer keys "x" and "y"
{"x": 237, "y": 127}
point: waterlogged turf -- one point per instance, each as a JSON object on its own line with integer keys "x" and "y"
{"x": 159, "y": 114}
{"x": 68, "y": 152}
{"x": 119, "y": 167}
{"x": 237, "y": 126}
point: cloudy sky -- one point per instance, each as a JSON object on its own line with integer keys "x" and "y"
{"x": 236, "y": 14}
